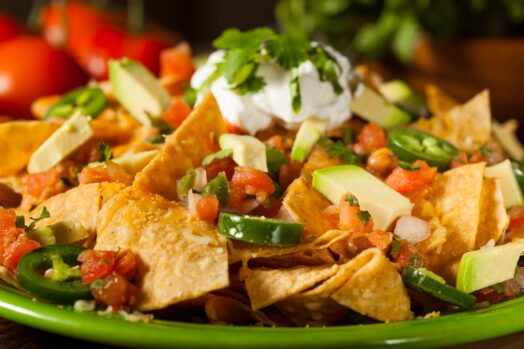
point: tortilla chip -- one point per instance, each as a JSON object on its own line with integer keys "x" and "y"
{"x": 375, "y": 280}
{"x": 243, "y": 252}
{"x": 268, "y": 286}
{"x": 183, "y": 150}
{"x": 82, "y": 203}
{"x": 318, "y": 159}
{"x": 305, "y": 205}
{"x": 493, "y": 217}
{"x": 179, "y": 258}
{"x": 376, "y": 290}
{"x": 467, "y": 126}
{"x": 439, "y": 102}
{"x": 19, "y": 140}
{"x": 456, "y": 211}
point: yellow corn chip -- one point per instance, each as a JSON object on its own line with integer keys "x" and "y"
{"x": 82, "y": 203}
{"x": 184, "y": 149}
{"x": 376, "y": 290}
{"x": 268, "y": 286}
{"x": 456, "y": 207}
{"x": 19, "y": 140}
{"x": 179, "y": 258}
{"x": 305, "y": 205}
{"x": 439, "y": 102}
{"x": 467, "y": 126}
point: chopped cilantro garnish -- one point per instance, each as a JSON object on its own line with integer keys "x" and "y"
{"x": 408, "y": 166}
{"x": 105, "y": 150}
{"x": 20, "y": 220}
{"x": 275, "y": 158}
{"x": 364, "y": 217}
{"x": 185, "y": 183}
{"x": 352, "y": 200}
{"x": 416, "y": 262}
{"x": 221, "y": 154}
{"x": 190, "y": 95}
{"x": 395, "y": 248}
{"x": 486, "y": 150}
{"x": 156, "y": 139}
{"x": 499, "y": 288}
{"x": 340, "y": 150}
{"x": 246, "y": 50}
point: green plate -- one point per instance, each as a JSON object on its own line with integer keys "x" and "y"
{"x": 476, "y": 325}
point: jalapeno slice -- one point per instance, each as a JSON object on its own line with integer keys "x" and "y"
{"x": 518, "y": 169}
{"x": 409, "y": 145}
{"x": 31, "y": 268}
{"x": 90, "y": 100}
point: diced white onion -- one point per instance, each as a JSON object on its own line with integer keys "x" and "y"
{"x": 249, "y": 205}
{"x": 192, "y": 199}
{"x": 200, "y": 179}
{"x": 412, "y": 229}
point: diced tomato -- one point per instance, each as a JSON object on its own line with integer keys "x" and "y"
{"x": 406, "y": 181}
{"x": 96, "y": 264}
{"x": 38, "y": 182}
{"x": 231, "y": 128}
{"x": 116, "y": 291}
{"x": 405, "y": 255}
{"x": 349, "y": 217}
{"x": 17, "y": 249}
{"x": 207, "y": 208}
{"x": 380, "y": 239}
{"x": 177, "y": 112}
{"x": 177, "y": 61}
{"x": 269, "y": 210}
{"x": 126, "y": 264}
{"x": 276, "y": 142}
{"x": 7, "y": 219}
{"x": 237, "y": 196}
{"x": 371, "y": 138}
{"x": 111, "y": 172}
{"x": 516, "y": 215}
{"x": 253, "y": 181}
{"x": 221, "y": 165}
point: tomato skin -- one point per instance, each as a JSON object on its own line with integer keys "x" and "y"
{"x": 207, "y": 208}
{"x": 126, "y": 264}
{"x": 406, "y": 181}
{"x": 116, "y": 291}
{"x": 146, "y": 49}
{"x": 17, "y": 250}
{"x": 177, "y": 112}
{"x": 7, "y": 219}
{"x": 349, "y": 219}
{"x": 221, "y": 165}
{"x": 96, "y": 264}
{"x": 9, "y": 28}
{"x": 111, "y": 172}
{"x": 371, "y": 138}
{"x": 38, "y": 182}
{"x": 30, "y": 60}
{"x": 253, "y": 181}
{"x": 380, "y": 239}
{"x": 177, "y": 61}
{"x": 516, "y": 215}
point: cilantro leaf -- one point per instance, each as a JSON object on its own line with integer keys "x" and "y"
{"x": 352, "y": 200}
{"x": 275, "y": 158}
{"x": 289, "y": 51}
{"x": 364, "y": 217}
{"x": 235, "y": 39}
{"x": 251, "y": 85}
{"x": 105, "y": 150}
{"x": 395, "y": 248}
{"x": 296, "y": 99}
{"x": 327, "y": 67}
{"x": 20, "y": 220}
{"x": 221, "y": 154}
{"x": 340, "y": 150}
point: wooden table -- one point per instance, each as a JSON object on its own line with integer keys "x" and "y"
{"x": 14, "y": 336}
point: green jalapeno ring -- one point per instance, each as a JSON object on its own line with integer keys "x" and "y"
{"x": 410, "y": 144}
{"x": 29, "y": 274}
{"x": 90, "y": 100}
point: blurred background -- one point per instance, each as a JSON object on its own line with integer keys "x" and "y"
{"x": 463, "y": 46}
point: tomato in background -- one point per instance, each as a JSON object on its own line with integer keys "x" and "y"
{"x": 146, "y": 49}
{"x": 9, "y": 28}
{"x": 30, "y": 68}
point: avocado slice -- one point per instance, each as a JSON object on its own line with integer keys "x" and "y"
{"x": 383, "y": 203}
{"x": 508, "y": 182}
{"x": 308, "y": 134}
{"x": 489, "y": 266}
{"x": 134, "y": 163}
{"x": 508, "y": 140}
{"x": 401, "y": 94}
{"x": 138, "y": 90}
{"x": 43, "y": 235}
{"x": 69, "y": 137}
{"x": 248, "y": 151}
{"x": 372, "y": 107}
{"x": 68, "y": 231}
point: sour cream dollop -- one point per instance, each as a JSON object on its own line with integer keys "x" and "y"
{"x": 254, "y": 112}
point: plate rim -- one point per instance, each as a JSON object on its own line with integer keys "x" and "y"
{"x": 459, "y": 328}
